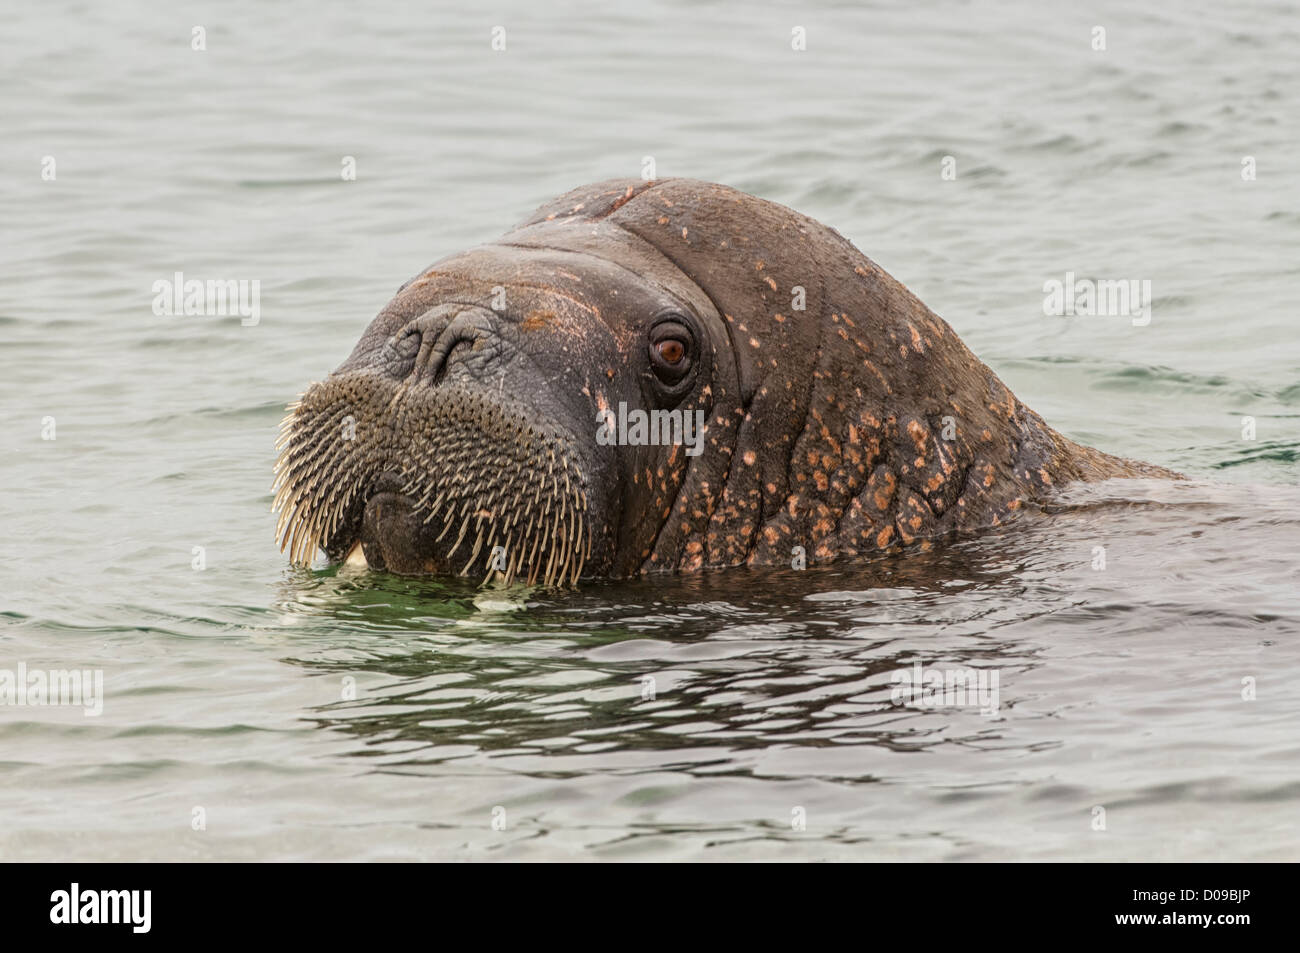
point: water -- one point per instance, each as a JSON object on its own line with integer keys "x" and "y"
{"x": 230, "y": 690}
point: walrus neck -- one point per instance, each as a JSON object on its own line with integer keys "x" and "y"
{"x": 855, "y": 481}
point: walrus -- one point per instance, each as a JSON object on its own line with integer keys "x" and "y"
{"x": 651, "y": 376}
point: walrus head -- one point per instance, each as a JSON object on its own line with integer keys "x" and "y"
{"x": 784, "y": 395}
{"x": 479, "y": 410}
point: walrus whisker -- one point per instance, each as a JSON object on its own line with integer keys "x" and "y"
{"x": 464, "y": 526}
{"x": 480, "y": 530}
{"x": 447, "y": 528}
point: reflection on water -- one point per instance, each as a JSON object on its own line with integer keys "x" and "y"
{"x": 792, "y": 686}
{"x": 661, "y": 663}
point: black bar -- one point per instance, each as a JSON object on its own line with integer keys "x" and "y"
{"x": 331, "y": 902}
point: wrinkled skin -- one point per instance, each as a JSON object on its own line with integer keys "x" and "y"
{"x": 466, "y": 417}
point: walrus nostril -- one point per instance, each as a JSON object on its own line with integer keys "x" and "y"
{"x": 439, "y": 369}
{"x": 439, "y": 334}
{"x": 457, "y": 339}
{"x": 399, "y": 352}
{"x": 407, "y": 346}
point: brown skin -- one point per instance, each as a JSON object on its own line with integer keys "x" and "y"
{"x": 825, "y": 427}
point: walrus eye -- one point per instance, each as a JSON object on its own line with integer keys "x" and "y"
{"x": 671, "y": 351}
{"x": 671, "y": 343}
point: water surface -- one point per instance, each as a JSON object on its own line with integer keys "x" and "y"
{"x": 332, "y": 714}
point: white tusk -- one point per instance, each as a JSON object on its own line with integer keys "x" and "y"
{"x": 356, "y": 556}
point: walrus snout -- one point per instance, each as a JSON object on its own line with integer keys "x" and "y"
{"x": 449, "y": 478}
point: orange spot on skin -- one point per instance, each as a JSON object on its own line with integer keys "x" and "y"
{"x": 886, "y": 492}
{"x": 771, "y": 282}
{"x": 749, "y": 457}
{"x": 883, "y": 537}
{"x": 622, "y": 200}
{"x": 536, "y": 320}
{"x": 871, "y": 367}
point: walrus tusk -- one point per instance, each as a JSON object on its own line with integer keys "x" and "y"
{"x": 356, "y": 556}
